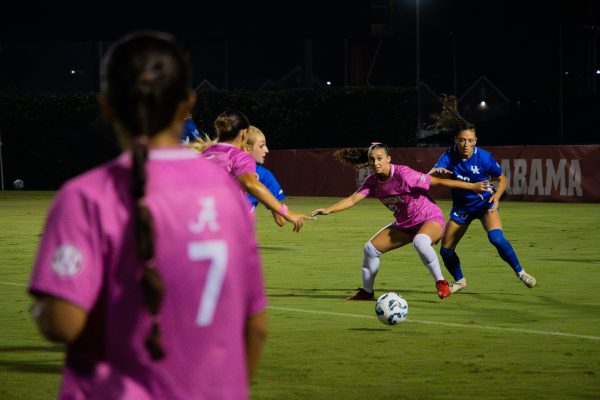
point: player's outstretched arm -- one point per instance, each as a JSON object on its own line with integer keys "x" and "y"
{"x": 279, "y": 219}
{"x": 252, "y": 185}
{"x": 477, "y": 187}
{"x": 341, "y": 205}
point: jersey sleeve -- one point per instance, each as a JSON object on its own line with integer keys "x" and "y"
{"x": 493, "y": 168}
{"x": 415, "y": 180}
{"x": 243, "y": 163}
{"x": 68, "y": 263}
{"x": 443, "y": 162}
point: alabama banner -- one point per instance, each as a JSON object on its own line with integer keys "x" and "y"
{"x": 534, "y": 173}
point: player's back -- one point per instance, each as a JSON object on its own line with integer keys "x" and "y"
{"x": 206, "y": 254}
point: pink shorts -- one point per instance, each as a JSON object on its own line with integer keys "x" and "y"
{"x": 434, "y": 214}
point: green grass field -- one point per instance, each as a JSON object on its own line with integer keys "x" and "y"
{"x": 496, "y": 340}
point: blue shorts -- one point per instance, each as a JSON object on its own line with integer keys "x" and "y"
{"x": 460, "y": 217}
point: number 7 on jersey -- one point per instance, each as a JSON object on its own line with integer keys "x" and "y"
{"x": 216, "y": 252}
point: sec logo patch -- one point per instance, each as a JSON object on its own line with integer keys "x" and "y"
{"x": 67, "y": 260}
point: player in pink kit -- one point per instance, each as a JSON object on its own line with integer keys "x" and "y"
{"x": 148, "y": 267}
{"x": 232, "y": 129}
{"x": 417, "y": 218}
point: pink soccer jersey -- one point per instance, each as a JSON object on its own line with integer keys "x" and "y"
{"x": 235, "y": 161}
{"x": 206, "y": 253}
{"x": 405, "y": 192}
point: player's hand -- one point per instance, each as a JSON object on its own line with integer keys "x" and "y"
{"x": 297, "y": 219}
{"x": 319, "y": 211}
{"x": 440, "y": 172}
{"x": 496, "y": 202}
{"x": 483, "y": 186}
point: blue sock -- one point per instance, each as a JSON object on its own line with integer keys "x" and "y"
{"x": 496, "y": 237}
{"x": 452, "y": 263}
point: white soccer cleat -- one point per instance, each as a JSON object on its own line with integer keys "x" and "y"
{"x": 527, "y": 279}
{"x": 458, "y": 285}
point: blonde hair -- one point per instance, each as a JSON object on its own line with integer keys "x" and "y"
{"x": 201, "y": 144}
{"x": 253, "y": 133}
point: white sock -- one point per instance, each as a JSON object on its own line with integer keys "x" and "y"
{"x": 422, "y": 244}
{"x": 370, "y": 266}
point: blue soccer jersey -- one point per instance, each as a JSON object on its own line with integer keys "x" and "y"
{"x": 268, "y": 179}
{"x": 479, "y": 167}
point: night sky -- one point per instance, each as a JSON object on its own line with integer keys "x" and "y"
{"x": 515, "y": 44}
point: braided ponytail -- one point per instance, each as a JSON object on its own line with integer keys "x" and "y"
{"x": 152, "y": 286}
{"x": 145, "y": 76}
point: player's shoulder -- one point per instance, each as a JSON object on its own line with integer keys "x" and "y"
{"x": 481, "y": 152}
{"x": 399, "y": 170}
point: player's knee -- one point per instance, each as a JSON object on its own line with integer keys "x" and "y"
{"x": 370, "y": 250}
{"x": 496, "y": 237}
{"x": 421, "y": 240}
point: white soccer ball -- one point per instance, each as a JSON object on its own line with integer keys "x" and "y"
{"x": 18, "y": 184}
{"x": 391, "y": 308}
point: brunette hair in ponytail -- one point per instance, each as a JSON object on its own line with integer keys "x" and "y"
{"x": 358, "y": 157}
{"x": 145, "y": 76}
{"x": 229, "y": 124}
{"x": 449, "y": 117}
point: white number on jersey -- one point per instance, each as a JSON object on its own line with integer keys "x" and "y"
{"x": 216, "y": 252}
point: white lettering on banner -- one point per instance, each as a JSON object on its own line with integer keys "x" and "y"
{"x": 556, "y": 177}
{"x": 575, "y": 179}
{"x": 519, "y": 185}
{"x": 536, "y": 180}
{"x": 524, "y": 179}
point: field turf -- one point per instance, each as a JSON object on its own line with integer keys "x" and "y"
{"x": 496, "y": 340}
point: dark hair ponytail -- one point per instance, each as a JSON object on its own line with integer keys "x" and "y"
{"x": 153, "y": 288}
{"x": 354, "y": 156}
{"x": 145, "y": 77}
{"x": 229, "y": 124}
{"x": 358, "y": 157}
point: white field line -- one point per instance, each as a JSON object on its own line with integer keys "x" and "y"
{"x": 13, "y": 284}
{"x": 451, "y": 324}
